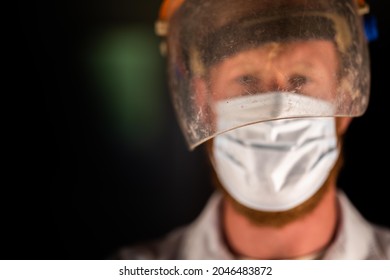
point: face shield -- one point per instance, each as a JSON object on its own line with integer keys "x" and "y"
{"x": 233, "y": 63}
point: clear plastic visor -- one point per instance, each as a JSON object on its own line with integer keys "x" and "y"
{"x": 234, "y": 63}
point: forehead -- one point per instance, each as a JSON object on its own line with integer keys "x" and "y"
{"x": 313, "y": 52}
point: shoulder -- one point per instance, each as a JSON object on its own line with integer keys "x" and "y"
{"x": 382, "y": 240}
{"x": 356, "y": 237}
{"x": 165, "y": 248}
{"x": 201, "y": 239}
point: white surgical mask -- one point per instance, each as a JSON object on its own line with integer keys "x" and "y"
{"x": 276, "y": 165}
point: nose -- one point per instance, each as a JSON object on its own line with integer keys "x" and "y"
{"x": 282, "y": 80}
{"x": 275, "y": 80}
{"x": 278, "y": 84}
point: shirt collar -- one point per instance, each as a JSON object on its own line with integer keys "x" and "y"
{"x": 354, "y": 236}
{"x": 204, "y": 238}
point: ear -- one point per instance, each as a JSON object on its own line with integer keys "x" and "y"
{"x": 201, "y": 99}
{"x": 199, "y": 88}
{"x": 342, "y": 124}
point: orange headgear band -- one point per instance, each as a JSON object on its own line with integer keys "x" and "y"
{"x": 169, "y": 7}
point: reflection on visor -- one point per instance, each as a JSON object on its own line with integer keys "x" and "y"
{"x": 277, "y": 105}
{"x": 252, "y": 32}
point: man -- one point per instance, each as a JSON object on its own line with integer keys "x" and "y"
{"x": 271, "y": 87}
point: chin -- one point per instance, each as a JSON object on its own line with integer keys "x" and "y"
{"x": 282, "y": 218}
{"x": 279, "y": 218}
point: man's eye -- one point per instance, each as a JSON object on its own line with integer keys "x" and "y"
{"x": 247, "y": 80}
{"x": 296, "y": 82}
{"x": 249, "y": 84}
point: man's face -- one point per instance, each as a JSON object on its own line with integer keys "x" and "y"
{"x": 308, "y": 68}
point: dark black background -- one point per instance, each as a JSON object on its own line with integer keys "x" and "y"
{"x": 72, "y": 191}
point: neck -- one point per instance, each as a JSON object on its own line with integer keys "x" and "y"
{"x": 303, "y": 236}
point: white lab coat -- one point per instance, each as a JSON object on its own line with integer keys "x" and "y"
{"x": 355, "y": 238}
